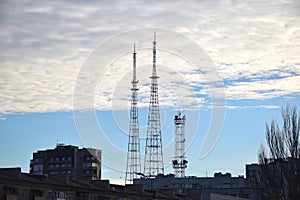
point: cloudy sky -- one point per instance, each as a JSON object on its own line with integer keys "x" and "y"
{"x": 253, "y": 46}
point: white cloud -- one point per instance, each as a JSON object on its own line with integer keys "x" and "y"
{"x": 254, "y": 44}
{"x": 266, "y": 89}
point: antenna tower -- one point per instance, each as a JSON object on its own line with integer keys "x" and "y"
{"x": 133, "y": 155}
{"x": 153, "y": 164}
{"x": 179, "y": 163}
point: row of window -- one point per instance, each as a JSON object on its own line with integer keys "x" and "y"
{"x": 56, "y": 172}
{"x": 57, "y": 194}
{"x": 60, "y": 158}
{"x": 21, "y": 191}
{"x": 68, "y": 165}
{"x": 39, "y": 159}
{"x": 60, "y": 165}
{"x": 89, "y": 172}
{"x": 89, "y": 164}
{"x": 59, "y": 172}
{"x": 199, "y": 186}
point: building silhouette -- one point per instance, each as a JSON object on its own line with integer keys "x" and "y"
{"x": 82, "y": 163}
{"x": 221, "y": 186}
{"x": 16, "y": 185}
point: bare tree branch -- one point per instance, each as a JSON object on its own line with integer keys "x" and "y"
{"x": 280, "y": 172}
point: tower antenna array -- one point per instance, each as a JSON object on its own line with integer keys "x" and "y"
{"x": 179, "y": 162}
{"x": 133, "y": 166}
{"x": 153, "y": 164}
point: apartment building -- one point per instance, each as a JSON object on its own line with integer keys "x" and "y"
{"x": 82, "y": 163}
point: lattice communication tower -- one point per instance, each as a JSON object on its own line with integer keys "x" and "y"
{"x": 153, "y": 164}
{"x": 133, "y": 166}
{"x": 179, "y": 162}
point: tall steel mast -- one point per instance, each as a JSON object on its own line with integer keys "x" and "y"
{"x": 153, "y": 164}
{"x": 133, "y": 155}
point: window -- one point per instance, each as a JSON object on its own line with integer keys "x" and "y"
{"x": 50, "y": 193}
{"x": 62, "y": 195}
{"x": 94, "y": 164}
{"x": 225, "y": 185}
{"x": 10, "y": 190}
{"x": 39, "y": 160}
{"x": 38, "y": 169}
{"x": 57, "y": 194}
{"x": 37, "y": 193}
{"x": 24, "y": 192}
{"x": 86, "y": 164}
{"x": 66, "y": 165}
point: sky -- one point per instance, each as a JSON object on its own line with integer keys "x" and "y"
{"x": 65, "y": 73}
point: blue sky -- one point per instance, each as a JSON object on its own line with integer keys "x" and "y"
{"x": 251, "y": 47}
